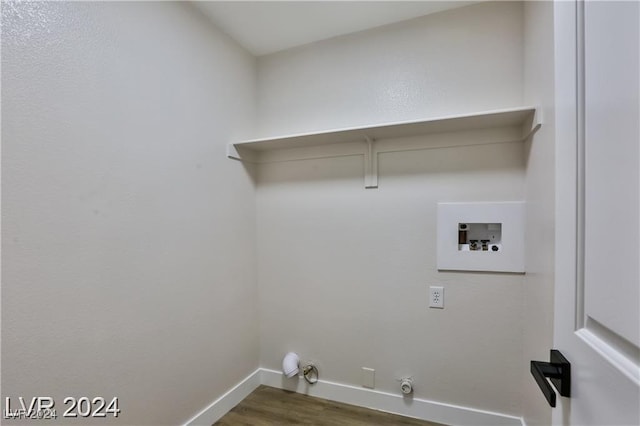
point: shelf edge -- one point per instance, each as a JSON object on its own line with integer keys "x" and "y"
{"x": 368, "y": 128}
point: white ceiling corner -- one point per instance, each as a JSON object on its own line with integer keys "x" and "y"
{"x": 264, "y": 27}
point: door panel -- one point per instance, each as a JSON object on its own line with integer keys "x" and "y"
{"x": 598, "y": 210}
{"x": 611, "y": 122}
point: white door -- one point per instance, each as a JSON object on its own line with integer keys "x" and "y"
{"x": 597, "y": 300}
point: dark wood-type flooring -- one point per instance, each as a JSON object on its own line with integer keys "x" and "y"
{"x": 268, "y": 406}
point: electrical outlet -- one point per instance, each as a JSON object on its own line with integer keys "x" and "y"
{"x": 436, "y": 297}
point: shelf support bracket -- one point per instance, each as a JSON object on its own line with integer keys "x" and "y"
{"x": 530, "y": 127}
{"x": 370, "y": 164}
{"x": 241, "y": 154}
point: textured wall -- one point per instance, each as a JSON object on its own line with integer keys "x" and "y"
{"x": 462, "y": 60}
{"x": 343, "y": 271}
{"x": 128, "y": 237}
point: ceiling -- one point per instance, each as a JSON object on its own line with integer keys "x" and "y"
{"x": 264, "y": 27}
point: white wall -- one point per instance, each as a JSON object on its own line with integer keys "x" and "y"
{"x": 539, "y": 280}
{"x": 128, "y": 237}
{"x": 343, "y": 271}
{"x": 462, "y": 60}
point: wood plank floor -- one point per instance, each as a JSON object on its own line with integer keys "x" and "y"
{"x": 268, "y": 406}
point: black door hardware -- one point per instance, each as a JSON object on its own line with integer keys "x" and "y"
{"x": 558, "y": 370}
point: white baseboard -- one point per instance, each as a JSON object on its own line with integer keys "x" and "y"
{"x": 221, "y": 406}
{"x": 411, "y": 407}
{"x": 391, "y": 403}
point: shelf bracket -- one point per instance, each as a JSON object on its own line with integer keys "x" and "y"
{"x": 241, "y": 154}
{"x": 530, "y": 127}
{"x": 370, "y": 164}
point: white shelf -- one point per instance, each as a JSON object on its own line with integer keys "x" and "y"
{"x": 498, "y": 126}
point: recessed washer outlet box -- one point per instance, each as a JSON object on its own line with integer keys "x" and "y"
{"x": 481, "y": 236}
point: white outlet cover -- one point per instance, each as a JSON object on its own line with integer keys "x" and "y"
{"x": 436, "y": 297}
{"x": 510, "y": 258}
{"x": 368, "y": 377}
